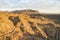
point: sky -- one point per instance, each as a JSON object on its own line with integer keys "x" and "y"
{"x": 48, "y": 6}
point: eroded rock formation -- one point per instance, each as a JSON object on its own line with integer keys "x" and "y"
{"x": 22, "y": 26}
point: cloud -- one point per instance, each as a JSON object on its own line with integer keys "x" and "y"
{"x": 4, "y": 3}
{"x": 25, "y": 1}
{"x": 46, "y": 4}
{"x": 33, "y": 4}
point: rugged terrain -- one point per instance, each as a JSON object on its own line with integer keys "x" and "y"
{"x": 28, "y": 25}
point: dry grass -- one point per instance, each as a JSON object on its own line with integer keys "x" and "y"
{"x": 7, "y": 27}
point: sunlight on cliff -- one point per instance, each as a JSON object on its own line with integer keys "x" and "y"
{"x": 27, "y": 24}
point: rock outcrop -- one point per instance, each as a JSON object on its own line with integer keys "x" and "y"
{"x": 26, "y": 26}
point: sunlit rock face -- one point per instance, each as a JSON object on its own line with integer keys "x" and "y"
{"x": 28, "y": 25}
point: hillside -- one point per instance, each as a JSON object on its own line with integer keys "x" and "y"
{"x": 28, "y": 25}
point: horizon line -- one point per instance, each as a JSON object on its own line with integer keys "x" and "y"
{"x": 39, "y": 10}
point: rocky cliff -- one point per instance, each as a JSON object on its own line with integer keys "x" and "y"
{"x": 28, "y": 25}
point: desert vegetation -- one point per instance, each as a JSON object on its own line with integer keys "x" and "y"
{"x": 26, "y": 25}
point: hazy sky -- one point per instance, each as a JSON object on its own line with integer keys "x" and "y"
{"x": 42, "y": 5}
